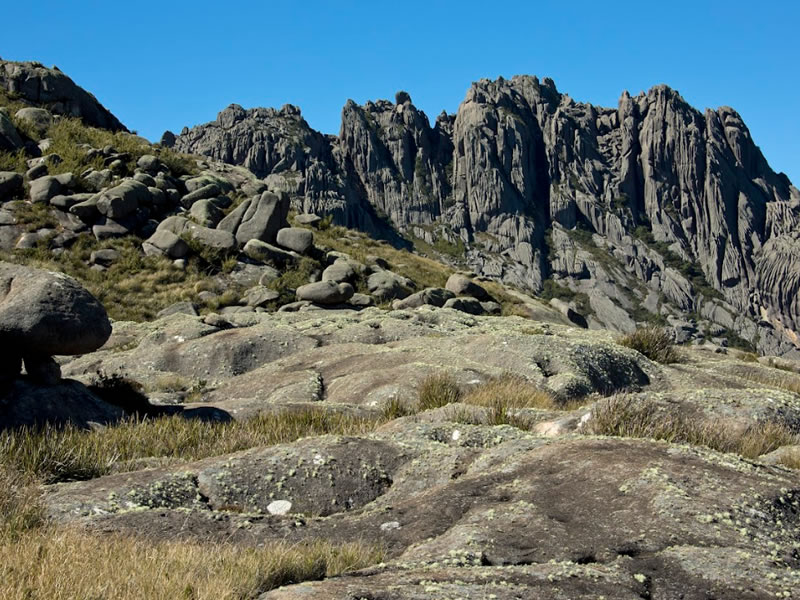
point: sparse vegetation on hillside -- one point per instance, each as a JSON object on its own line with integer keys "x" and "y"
{"x": 654, "y": 342}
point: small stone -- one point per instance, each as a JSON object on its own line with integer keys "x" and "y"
{"x": 279, "y": 507}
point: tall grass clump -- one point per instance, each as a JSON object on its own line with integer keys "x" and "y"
{"x": 628, "y": 417}
{"x": 64, "y": 564}
{"x": 20, "y": 506}
{"x": 438, "y": 390}
{"x": 53, "y": 454}
{"x": 654, "y": 342}
{"x": 512, "y": 391}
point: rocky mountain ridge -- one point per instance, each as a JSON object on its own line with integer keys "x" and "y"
{"x": 651, "y": 210}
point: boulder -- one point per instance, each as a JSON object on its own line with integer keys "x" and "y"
{"x": 105, "y": 257}
{"x": 295, "y": 238}
{"x": 38, "y": 118}
{"x": 260, "y": 296}
{"x": 66, "y": 202}
{"x": 325, "y": 292}
{"x": 149, "y": 164}
{"x": 258, "y": 218}
{"x": 341, "y": 270}
{"x": 432, "y": 296}
{"x": 36, "y": 171}
{"x": 308, "y": 219}
{"x": 208, "y": 191}
{"x": 42, "y": 369}
{"x": 10, "y": 140}
{"x": 182, "y": 308}
{"x": 206, "y": 213}
{"x": 466, "y": 304}
{"x": 213, "y": 238}
{"x": 464, "y": 286}
{"x": 10, "y": 185}
{"x": 388, "y": 285}
{"x": 123, "y": 200}
{"x": 44, "y": 188}
{"x": 109, "y": 228}
{"x": 44, "y": 313}
{"x": 264, "y": 252}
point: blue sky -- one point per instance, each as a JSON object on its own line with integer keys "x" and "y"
{"x": 163, "y": 65}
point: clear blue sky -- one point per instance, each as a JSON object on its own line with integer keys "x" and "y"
{"x": 163, "y": 65}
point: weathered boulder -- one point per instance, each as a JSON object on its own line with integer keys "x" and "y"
{"x": 44, "y": 313}
{"x": 44, "y": 188}
{"x": 10, "y": 184}
{"x": 461, "y": 285}
{"x": 206, "y": 213}
{"x": 432, "y": 296}
{"x": 308, "y": 219}
{"x": 213, "y": 238}
{"x": 123, "y": 200}
{"x": 38, "y": 118}
{"x": 10, "y": 140}
{"x": 325, "y": 292}
{"x": 264, "y": 252}
{"x": 260, "y": 296}
{"x": 340, "y": 271}
{"x": 149, "y": 164}
{"x": 465, "y": 304}
{"x": 258, "y": 218}
{"x": 295, "y": 238}
{"x": 208, "y": 191}
{"x": 388, "y": 285}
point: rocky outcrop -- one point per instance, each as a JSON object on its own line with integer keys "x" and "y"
{"x": 652, "y": 206}
{"x": 52, "y": 89}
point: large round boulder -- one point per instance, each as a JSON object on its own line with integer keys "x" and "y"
{"x": 43, "y": 313}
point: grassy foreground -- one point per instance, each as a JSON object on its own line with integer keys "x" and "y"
{"x": 65, "y": 564}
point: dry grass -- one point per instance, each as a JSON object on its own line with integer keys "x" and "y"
{"x": 510, "y": 391}
{"x": 654, "y": 342}
{"x": 790, "y": 458}
{"x": 424, "y": 271}
{"x": 782, "y": 380}
{"x": 438, "y": 390}
{"x": 627, "y": 417}
{"x": 51, "y": 454}
{"x": 20, "y": 508}
{"x": 65, "y": 564}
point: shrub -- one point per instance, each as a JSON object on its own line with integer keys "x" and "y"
{"x": 654, "y": 342}
{"x": 438, "y": 390}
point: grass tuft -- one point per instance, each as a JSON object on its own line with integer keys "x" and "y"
{"x": 512, "y": 391}
{"x": 654, "y": 342}
{"x": 438, "y": 390}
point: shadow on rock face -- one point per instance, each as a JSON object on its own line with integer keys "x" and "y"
{"x": 25, "y": 403}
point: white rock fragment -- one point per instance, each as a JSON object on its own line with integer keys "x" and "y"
{"x": 279, "y": 507}
{"x": 389, "y": 525}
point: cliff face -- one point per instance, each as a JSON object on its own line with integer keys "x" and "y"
{"x": 648, "y": 210}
